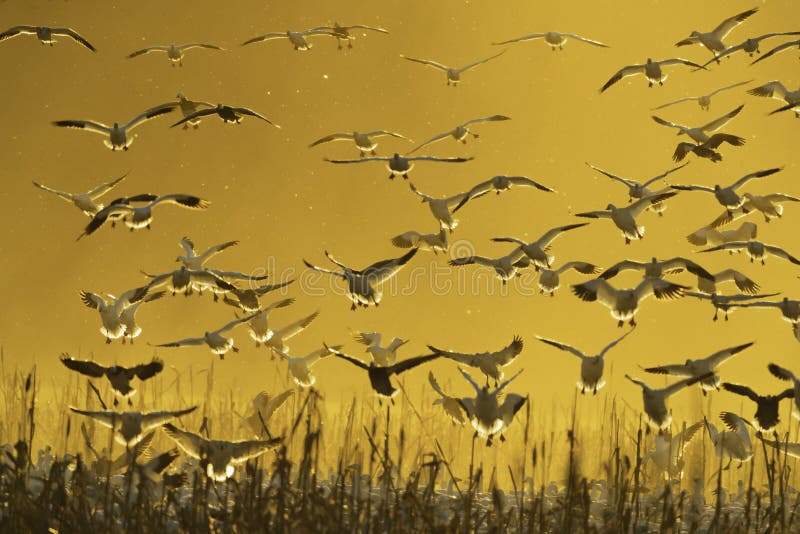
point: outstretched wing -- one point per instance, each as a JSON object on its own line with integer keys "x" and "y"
{"x": 192, "y": 444}
{"x": 84, "y": 367}
{"x": 75, "y": 36}
{"x": 508, "y": 353}
{"x": 629, "y": 70}
{"x": 718, "y": 123}
{"x": 410, "y": 363}
{"x": 729, "y": 24}
{"x": 740, "y": 390}
{"x": 520, "y": 39}
{"x": 562, "y": 346}
{"x": 480, "y": 62}
{"x": 383, "y": 270}
{"x": 779, "y": 48}
{"x": 147, "y": 370}
{"x": 245, "y": 450}
{"x": 427, "y": 62}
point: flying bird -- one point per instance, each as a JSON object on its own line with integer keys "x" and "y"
{"x": 505, "y": 267}
{"x": 454, "y": 407}
{"x": 111, "y": 309}
{"x": 226, "y": 113}
{"x": 488, "y": 416}
{"x": 363, "y": 140}
{"x": 778, "y": 91}
{"x": 184, "y": 280}
{"x": 379, "y": 376}
{"x": 442, "y": 208}
{"x": 490, "y": 363}
{"x": 501, "y": 183}
{"x": 742, "y": 282}
{"x": 657, "y": 269}
{"x": 709, "y": 235}
{"x": 549, "y": 279}
{"x": 704, "y": 101}
{"x": 383, "y": 356}
{"x": 453, "y": 73}
{"x": 130, "y": 427}
{"x": 555, "y": 40}
{"x": 727, "y": 195}
{"x": 651, "y": 70}
{"x": 460, "y": 132}
{"x": 591, "y": 366}
{"x": 638, "y": 190}
{"x": 263, "y": 407}
{"x": 276, "y": 339}
{"x": 138, "y": 217}
{"x": 769, "y": 206}
{"x": 725, "y": 303}
{"x": 767, "y": 414}
{"x": 219, "y": 457}
{"x": 412, "y": 239}
{"x": 46, "y": 35}
{"x": 343, "y": 33}
{"x": 655, "y": 400}
{"x": 300, "y": 367}
{"x": 751, "y": 46}
{"x": 668, "y": 451}
{"x": 362, "y": 285}
{"x": 128, "y": 317}
{"x": 788, "y": 376}
{"x": 539, "y": 251}
{"x": 297, "y": 39}
{"x": 712, "y": 40}
{"x": 85, "y": 201}
{"x": 398, "y": 165}
{"x": 732, "y": 443}
{"x": 624, "y": 303}
{"x": 756, "y": 250}
{"x": 213, "y": 339}
{"x": 699, "y": 134}
{"x": 248, "y": 299}
{"x": 117, "y": 136}
{"x": 701, "y": 366}
{"x": 188, "y": 107}
{"x": 118, "y": 376}
{"x": 258, "y": 322}
{"x": 193, "y": 260}
{"x": 174, "y": 52}
{"x": 777, "y": 49}
{"x": 624, "y": 218}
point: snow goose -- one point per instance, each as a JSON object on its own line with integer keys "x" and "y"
{"x": 498, "y": 184}
{"x": 300, "y": 366}
{"x": 538, "y": 251}
{"x": 709, "y": 235}
{"x": 700, "y": 133}
{"x": 668, "y": 451}
{"x": 188, "y": 107}
{"x": 702, "y": 366}
{"x": 624, "y": 303}
{"x": 756, "y": 250}
{"x": 777, "y": 49}
{"x": 379, "y": 376}
{"x": 85, "y": 201}
{"x": 651, "y": 70}
{"x": 362, "y": 140}
{"x": 118, "y": 376}
{"x": 460, "y": 132}
{"x": 657, "y": 269}
{"x": 110, "y": 310}
{"x": 297, "y": 39}
{"x": 226, "y": 113}
{"x": 489, "y": 417}
{"x": 259, "y": 323}
{"x": 276, "y": 339}
{"x": 733, "y": 443}
{"x": 555, "y": 40}
{"x": 130, "y": 427}
{"x": 591, "y": 366}
{"x": 342, "y": 33}
{"x": 768, "y": 205}
{"x": 725, "y": 303}
{"x": 184, "y": 280}
{"x": 786, "y": 375}
{"x": 442, "y": 208}
{"x": 655, "y": 400}
{"x": 218, "y": 457}
{"x": 637, "y": 190}
{"x": 505, "y": 267}
{"x": 263, "y": 407}
{"x": 767, "y": 414}
{"x": 411, "y": 239}
{"x": 362, "y": 286}
{"x": 790, "y": 309}
{"x": 549, "y": 279}
{"x": 454, "y": 407}
{"x": 46, "y": 35}
{"x": 174, "y": 52}
{"x": 248, "y": 299}
{"x": 213, "y": 339}
{"x": 383, "y": 356}
{"x": 704, "y": 101}
{"x": 138, "y": 217}
{"x": 707, "y": 150}
{"x": 490, "y": 363}
{"x": 398, "y": 165}
{"x": 744, "y": 283}
{"x": 193, "y": 260}
{"x": 751, "y": 45}
{"x": 453, "y": 73}
{"x": 624, "y": 218}
{"x": 727, "y": 196}
{"x": 713, "y": 40}
{"x": 128, "y": 317}
{"x": 778, "y": 91}
{"x": 117, "y": 136}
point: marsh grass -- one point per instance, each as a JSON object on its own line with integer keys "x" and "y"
{"x": 366, "y": 467}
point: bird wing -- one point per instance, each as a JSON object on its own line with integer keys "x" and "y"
{"x": 680, "y": 384}
{"x": 435, "y": 385}
{"x": 715, "y": 91}
{"x": 781, "y": 197}
{"x": 523, "y": 38}
{"x": 629, "y": 70}
{"x": 642, "y": 204}
{"x": 155, "y": 419}
{"x": 188, "y": 342}
{"x": 361, "y": 160}
{"x": 614, "y": 343}
{"x": 383, "y": 270}
{"x": 624, "y": 265}
{"x": 740, "y": 390}
{"x": 674, "y": 369}
{"x": 787, "y": 107}
{"x": 383, "y": 133}
{"x": 723, "y": 355}
{"x": 550, "y": 235}
{"x": 779, "y": 48}
{"x": 718, "y": 138}
{"x": 364, "y": 27}
{"x": 580, "y": 266}
{"x": 758, "y": 174}
{"x": 562, "y": 346}
{"x": 524, "y": 181}
{"x": 597, "y": 289}
{"x": 508, "y": 353}
{"x": 62, "y": 194}
{"x": 17, "y": 30}
{"x": 104, "y": 188}
{"x": 472, "y": 383}
{"x": 157, "y": 48}
{"x": 188, "y": 246}
{"x": 491, "y": 118}
{"x": 69, "y": 32}
{"x": 718, "y": 123}
{"x": 266, "y": 37}
{"x": 189, "y": 46}
{"x": 147, "y": 115}
{"x": 89, "y": 126}
{"x": 692, "y": 187}
{"x": 479, "y": 62}
{"x": 677, "y": 264}
{"x": 440, "y": 159}
{"x": 470, "y": 260}
{"x": 196, "y": 114}
{"x": 600, "y": 214}
{"x": 338, "y": 136}
{"x": 585, "y": 40}
{"x": 729, "y": 24}
{"x": 245, "y": 450}
{"x": 84, "y": 367}
{"x": 428, "y": 62}
{"x": 685, "y": 99}
{"x": 773, "y": 89}
{"x": 431, "y": 140}
{"x": 292, "y": 329}
{"x": 92, "y": 300}
{"x": 326, "y": 271}
{"x": 779, "y": 372}
{"x": 147, "y": 370}
{"x": 216, "y": 249}
{"x": 779, "y": 252}
{"x": 663, "y": 122}
{"x": 742, "y": 282}
{"x": 367, "y": 338}
{"x": 680, "y": 61}
{"x": 251, "y": 113}
{"x": 354, "y": 361}
{"x": 628, "y": 183}
{"x": 105, "y": 418}
{"x": 313, "y": 357}
{"x": 423, "y": 196}
{"x": 192, "y": 444}
{"x": 235, "y": 323}
{"x": 410, "y": 363}
{"x": 186, "y": 201}
{"x": 406, "y": 240}
{"x": 664, "y": 174}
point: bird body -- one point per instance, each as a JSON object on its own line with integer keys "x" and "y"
{"x": 624, "y": 218}
{"x": 624, "y": 303}
{"x": 46, "y": 35}
{"x": 453, "y": 73}
{"x": 174, "y": 52}
{"x": 300, "y": 366}
{"x": 701, "y": 367}
{"x": 652, "y": 70}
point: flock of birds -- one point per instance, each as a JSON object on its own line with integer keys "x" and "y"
{"x": 492, "y": 409}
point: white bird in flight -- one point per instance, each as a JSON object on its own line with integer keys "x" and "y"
{"x": 276, "y": 339}
{"x": 111, "y": 309}
{"x": 488, "y": 415}
{"x": 490, "y": 363}
{"x": 46, "y": 35}
{"x": 228, "y": 114}
{"x": 699, "y": 134}
{"x": 174, "y": 52}
{"x": 343, "y": 33}
{"x": 300, "y": 366}
{"x": 501, "y": 183}
{"x": 538, "y": 251}
{"x": 130, "y": 427}
{"x": 751, "y": 46}
{"x": 655, "y": 400}
{"x": 258, "y": 322}
{"x": 193, "y": 260}
{"x": 85, "y": 201}
{"x": 460, "y": 132}
{"x": 453, "y": 73}
{"x": 442, "y": 208}
{"x": 624, "y": 218}
{"x": 298, "y": 39}
{"x": 727, "y": 195}
{"x": 652, "y": 70}
{"x": 413, "y": 239}
{"x": 398, "y": 165}
{"x": 756, "y": 250}
{"x": 116, "y": 136}
{"x": 362, "y": 140}
{"x": 778, "y": 91}
{"x": 213, "y": 339}
{"x": 732, "y": 443}
{"x": 712, "y": 40}
{"x": 383, "y": 356}
{"x": 138, "y": 217}
{"x": 709, "y": 235}
{"x": 555, "y": 40}
{"x": 704, "y": 101}
{"x": 624, "y": 303}
{"x": 549, "y": 279}
{"x": 637, "y": 190}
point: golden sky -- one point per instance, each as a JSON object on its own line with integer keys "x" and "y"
{"x": 284, "y": 203}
